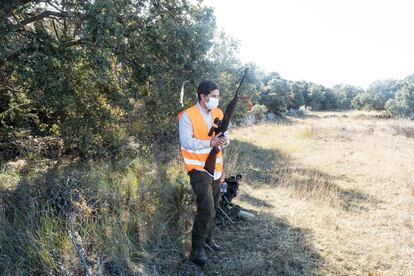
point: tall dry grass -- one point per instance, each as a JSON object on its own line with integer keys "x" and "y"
{"x": 99, "y": 218}
{"x": 347, "y": 178}
{"x": 332, "y": 193}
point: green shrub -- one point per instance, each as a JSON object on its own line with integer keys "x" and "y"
{"x": 259, "y": 109}
{"x": 403, "y": 103}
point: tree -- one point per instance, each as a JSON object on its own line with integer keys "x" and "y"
{"x": 377, "y": 94}
{"x": 315, "y": 96}
{"x": 275, "y": 93}
{"x": 92, "y": 72}
{"x": 296, "y": 98}
{"x": 403, "y": 104}
{"x": 345, "y": 93}
{"x": 226, "y": 69}
{"x": 330, "y": 101}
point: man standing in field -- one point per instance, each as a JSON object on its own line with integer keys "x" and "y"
{"x": 194, "y": 125}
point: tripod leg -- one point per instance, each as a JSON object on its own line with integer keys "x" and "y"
{"x": 226, "y": 215}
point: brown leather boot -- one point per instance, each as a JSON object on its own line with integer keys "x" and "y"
{"x": 198, "y": 256}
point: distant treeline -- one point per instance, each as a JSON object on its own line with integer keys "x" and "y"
{"x": 395, "y": 97}
{"x": 98, "y": 72}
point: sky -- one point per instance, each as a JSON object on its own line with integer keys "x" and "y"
{"x": 324, "y": 41}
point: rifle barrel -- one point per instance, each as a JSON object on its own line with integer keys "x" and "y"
{"x": 228, "y": 114}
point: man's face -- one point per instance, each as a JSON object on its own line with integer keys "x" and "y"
{"x": 213, "y": 94}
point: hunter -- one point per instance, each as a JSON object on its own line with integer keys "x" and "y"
{"x": 194, "y": 125}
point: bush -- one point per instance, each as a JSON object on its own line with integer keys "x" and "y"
{"x": 378, "y": 93}
{"x": 403, "y": 104}
{"x": 259, "y": 109}
{"x": 120, "y": 58}
{"x": 258, "y": 112}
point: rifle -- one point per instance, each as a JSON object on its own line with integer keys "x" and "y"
{"x": 222, "y": 127}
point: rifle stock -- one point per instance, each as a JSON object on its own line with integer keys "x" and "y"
{"x": 222, "y": 127}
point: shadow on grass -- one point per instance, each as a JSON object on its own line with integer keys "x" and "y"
{"x": 27, "y": 213}
{"x": 50, "y": 210}
{"x": 33, "y": 244}
{"x": 267, "y": 245}
{"x": 265, "y": 167}
{"x": 255, "y": 201}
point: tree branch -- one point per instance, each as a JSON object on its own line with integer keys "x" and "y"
{"x": 10, "y": 109}
{"x": 7, "y": 8}
{"x": 36, "y": 18}
{"x": 73, "y": 43}
{"x": 55, "y": 29}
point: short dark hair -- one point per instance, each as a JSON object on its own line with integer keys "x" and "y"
{"x": 205, "y": 87}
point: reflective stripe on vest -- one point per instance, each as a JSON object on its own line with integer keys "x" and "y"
{"x": 195, "y": 159}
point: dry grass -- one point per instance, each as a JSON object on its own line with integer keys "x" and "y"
{"x": 117, "y": 218}
{"x": 333, "y": 194}
{"x": 344, "y": 179}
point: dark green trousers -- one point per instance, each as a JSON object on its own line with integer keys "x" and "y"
{"x": 207, "y": 192}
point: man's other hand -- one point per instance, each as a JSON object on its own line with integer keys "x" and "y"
{"x": 218, "y": 141}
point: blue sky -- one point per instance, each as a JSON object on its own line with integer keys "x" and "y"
{"x": 324, "y": 41}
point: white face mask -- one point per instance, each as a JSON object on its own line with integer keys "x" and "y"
{"x": 212, "y": 103}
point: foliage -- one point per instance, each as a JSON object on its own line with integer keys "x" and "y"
{"x": 275, "y": 94}
{"x": 320, "y": 98}
{"x": 377, "y": 94}
{"x": 94, "y": 72}
{"x": 297, "y": 93}
{"x": 259, "y": 109}
{"x": 403, "y": 104}
{"x": 345, "y": 94}
{"x": 259, "y": 112}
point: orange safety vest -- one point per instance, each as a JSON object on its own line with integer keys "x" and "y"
{"x": 195, "y": 159}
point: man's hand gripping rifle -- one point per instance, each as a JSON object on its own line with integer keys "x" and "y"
{"x": 222, "y": 127}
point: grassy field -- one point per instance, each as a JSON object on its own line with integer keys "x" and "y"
{"x": 333, "y": 194}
